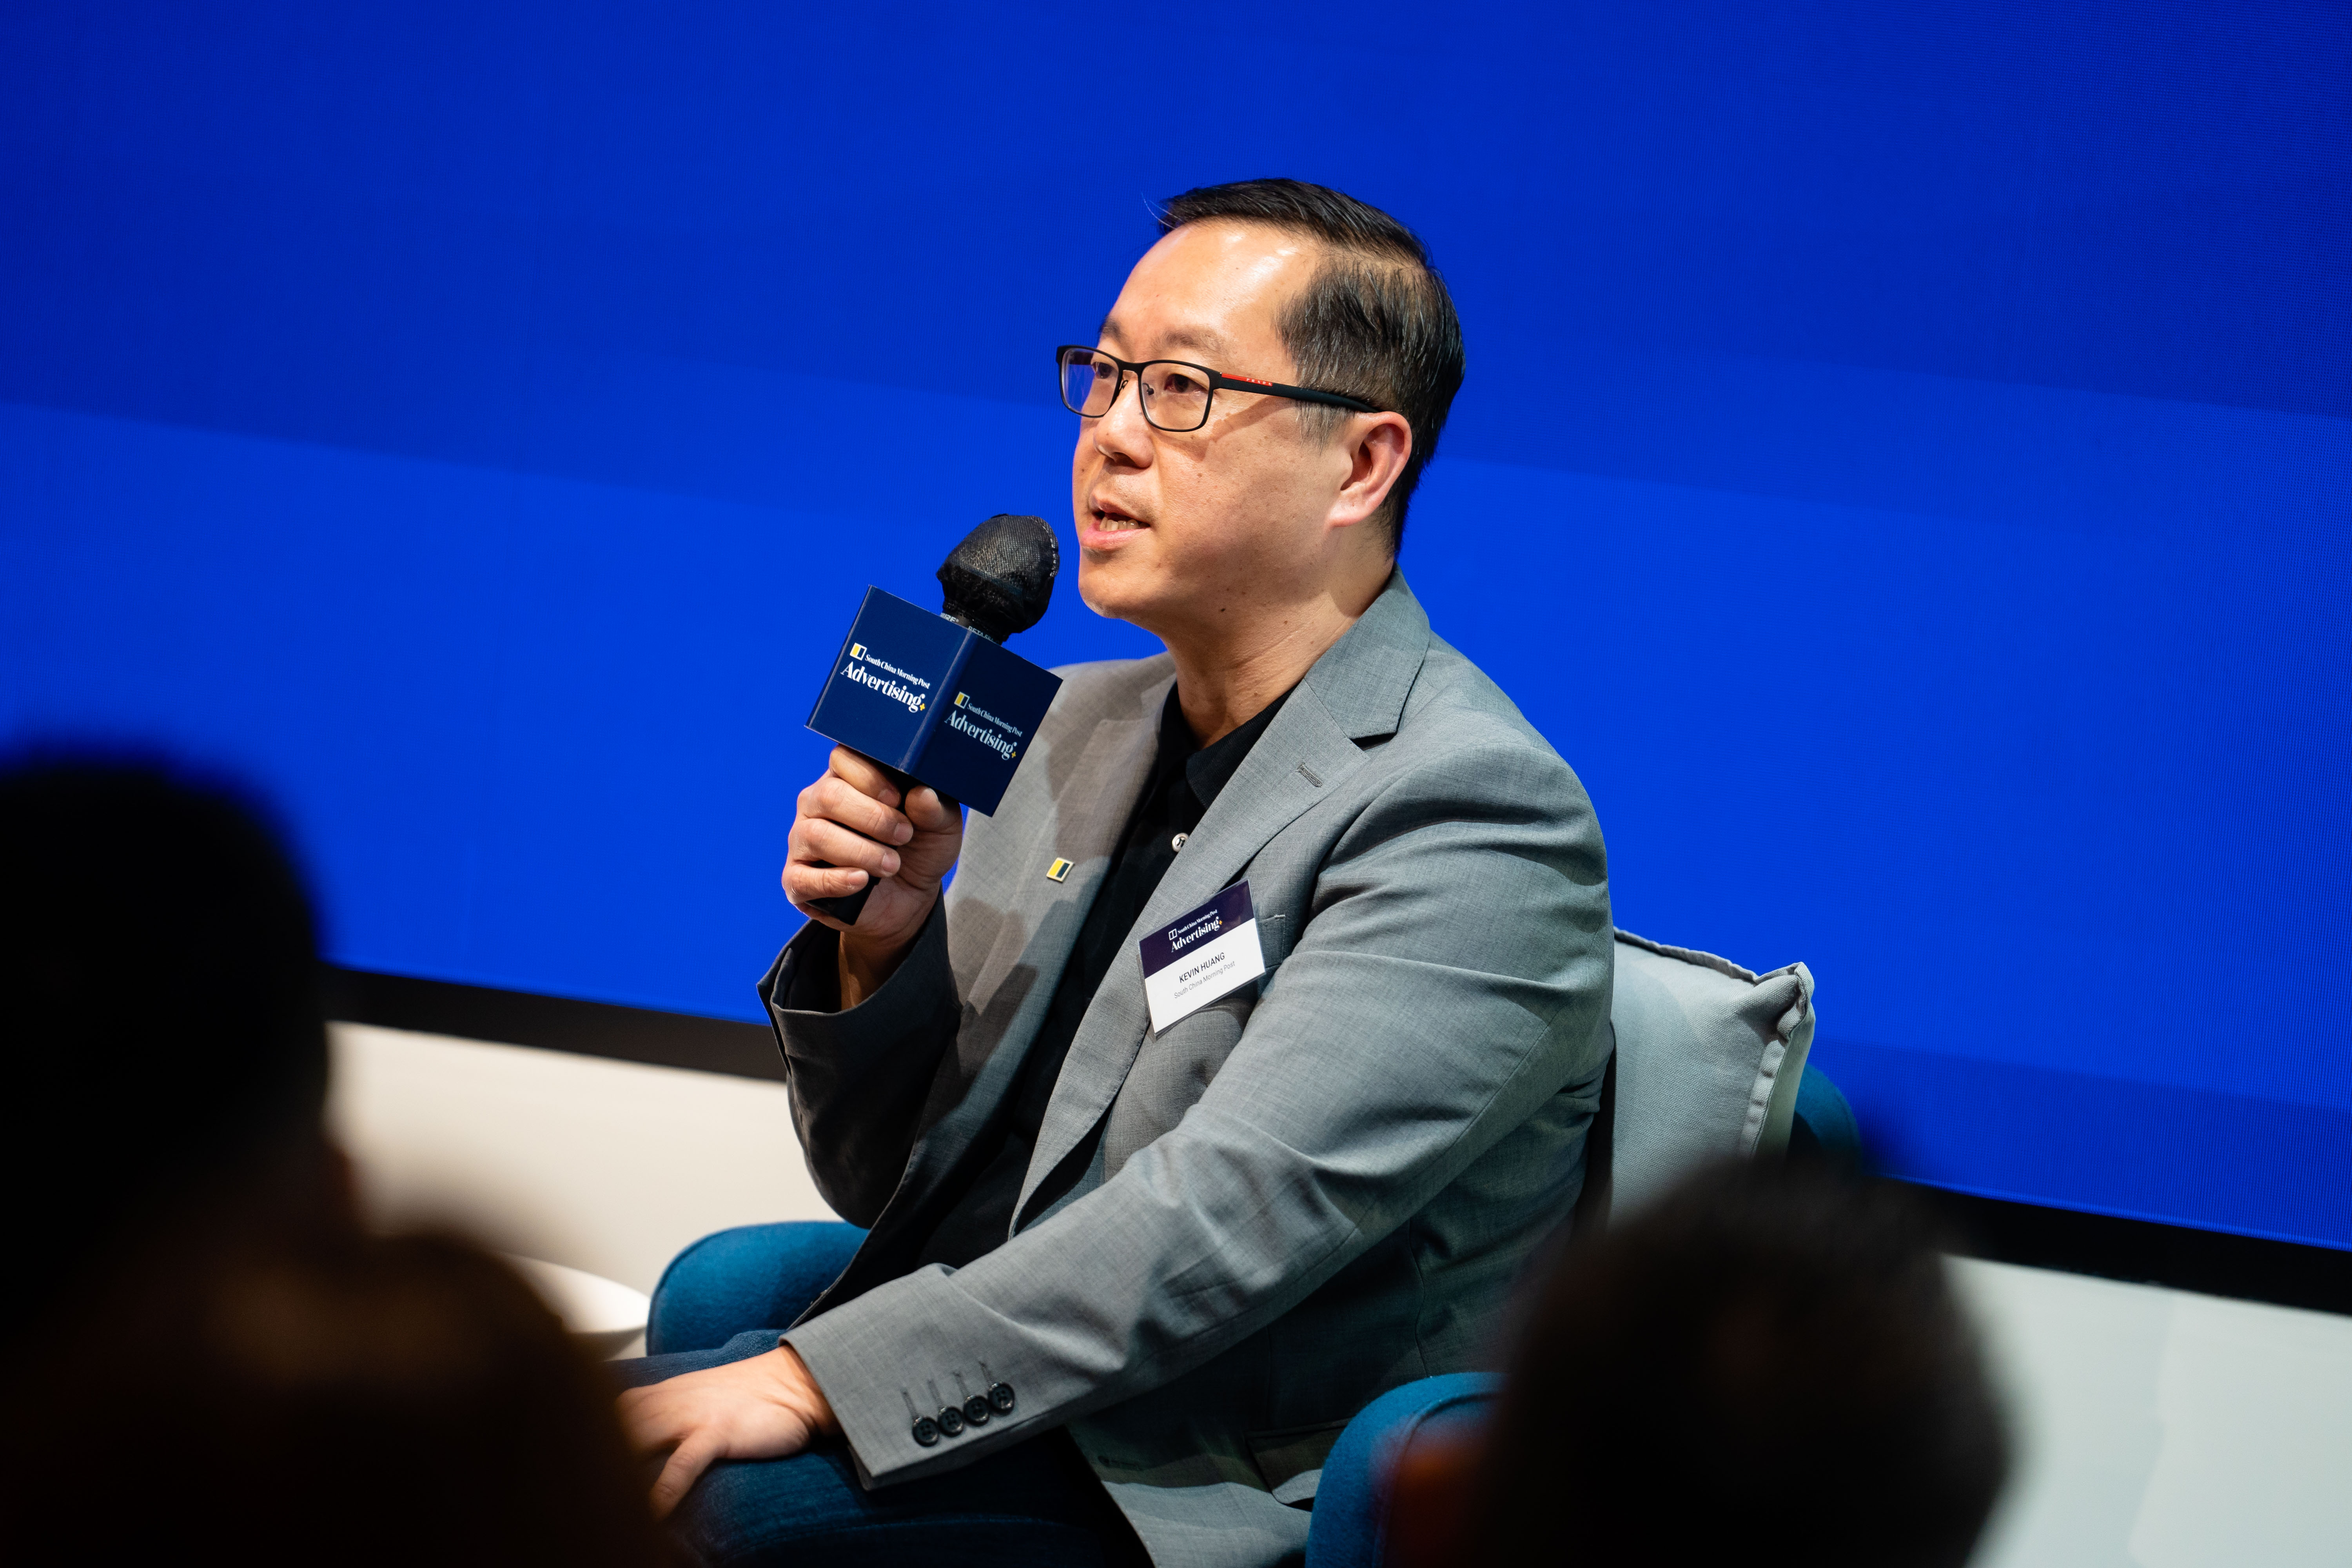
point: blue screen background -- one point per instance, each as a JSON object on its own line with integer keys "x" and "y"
{"x": 1905, "y": 467}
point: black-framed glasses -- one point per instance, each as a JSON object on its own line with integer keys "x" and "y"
{"x": 1175, "y": 393}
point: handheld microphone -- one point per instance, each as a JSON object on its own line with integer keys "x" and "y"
{"x": 1001, "y": 578}
{"x": 935, "y": 700}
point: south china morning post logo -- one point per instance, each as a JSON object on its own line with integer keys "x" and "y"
{"x": 1183, "y": 934}
{"x": 969, "y": 718}
{"x": 881, "y": 676}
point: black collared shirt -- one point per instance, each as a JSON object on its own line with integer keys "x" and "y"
{"x": 1185, "y": 778}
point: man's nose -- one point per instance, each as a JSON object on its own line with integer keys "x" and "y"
{"x": 1122, "y": 434}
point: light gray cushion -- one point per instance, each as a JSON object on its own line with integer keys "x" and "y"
{"x": 1708, "y": 1054}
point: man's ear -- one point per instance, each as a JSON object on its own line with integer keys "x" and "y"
{"x": 1379, "y": 447}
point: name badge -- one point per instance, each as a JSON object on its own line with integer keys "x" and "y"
{"x": 1205, "y": 954}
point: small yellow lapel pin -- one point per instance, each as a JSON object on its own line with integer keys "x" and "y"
{"x": 1059, "y": 871}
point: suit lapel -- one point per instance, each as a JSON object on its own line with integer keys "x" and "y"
{"x": 1357, "y": 690}
{"x": 1082, "y": 823}
{"x": 1083, "y": 827}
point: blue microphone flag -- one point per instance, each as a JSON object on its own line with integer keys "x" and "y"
{"x": 934, "y": 700}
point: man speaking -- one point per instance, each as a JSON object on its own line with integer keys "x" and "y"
{"x": 1136, "y": 1184}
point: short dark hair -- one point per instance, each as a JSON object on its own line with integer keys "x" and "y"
{"x": 1376, "y": 321}
{"x": 1758, "y": 1324}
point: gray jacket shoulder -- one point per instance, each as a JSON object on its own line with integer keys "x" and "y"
{"x": 1459, "y": 697}
{"x": 1107, "y": 687}
{"x": 1460, "y": 733}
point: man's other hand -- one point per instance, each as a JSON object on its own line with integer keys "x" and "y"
{"x": 850, "y": 826}
{"x": 767, "y": 1407}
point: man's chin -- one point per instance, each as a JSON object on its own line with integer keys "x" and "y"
{"x": 1115, "y": 586}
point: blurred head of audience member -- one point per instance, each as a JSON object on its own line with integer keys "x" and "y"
{"x": 325, "y": 1398}
{"x": 160, "y": 1022}
{"x": 203, "y": 1355}
{"x": 1767, "y": 1366}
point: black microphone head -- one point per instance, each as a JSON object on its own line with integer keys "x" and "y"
{"x": 1001, "y": 578}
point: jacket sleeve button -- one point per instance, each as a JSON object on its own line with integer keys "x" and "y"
{"x": 976, "y": 1411}
{"x": 999, "y": 1398}
{"x": 950, "y": 1421}
{"x": 927, "y": 1431}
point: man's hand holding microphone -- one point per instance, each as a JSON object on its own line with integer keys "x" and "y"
{"x": 854, "y": 825}
{"x": 866, "y": 826}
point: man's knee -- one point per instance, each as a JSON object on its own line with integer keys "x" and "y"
{"x": 750, "y": 1276}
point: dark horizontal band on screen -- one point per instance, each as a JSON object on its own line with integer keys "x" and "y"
{"x": 553, "y": 1023}
{"x": 2215, "y": 1263}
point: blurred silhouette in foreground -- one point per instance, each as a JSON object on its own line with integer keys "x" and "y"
{"x": 160, "y": 1025}
{"x": 203, "y": 1353}
{"x": 1767, "y": 1366}
{"x": 353, "y": 1400}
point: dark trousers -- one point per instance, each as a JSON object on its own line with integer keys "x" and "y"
{"x": 726, "y": 1297}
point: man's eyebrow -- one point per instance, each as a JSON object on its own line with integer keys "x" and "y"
{"x": 1200, "y": 339}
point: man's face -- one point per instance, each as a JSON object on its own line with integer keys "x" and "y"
{"x": 1182, "y": 533}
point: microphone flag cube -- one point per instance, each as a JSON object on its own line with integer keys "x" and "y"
{"x": 934, "y": 700}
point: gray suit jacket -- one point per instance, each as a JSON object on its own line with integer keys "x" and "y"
{"x": 1309, "y": 1193}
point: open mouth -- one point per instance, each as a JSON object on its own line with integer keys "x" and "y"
{"x": 1108, "y": 518}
